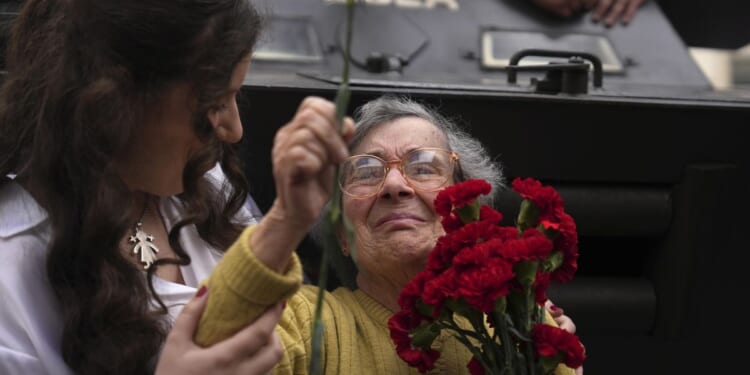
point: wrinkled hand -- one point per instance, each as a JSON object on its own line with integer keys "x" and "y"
{"x": 563, "y": 321}
{"x": 305, "y": 154}
{"x": 565, "y": 8}
{"x": 255, "y": 349}
{"x": 610, "y": 11}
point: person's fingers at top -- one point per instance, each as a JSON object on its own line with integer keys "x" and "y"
{"x": 630, "y": 10}
{"x": 577, "y": 5}
{"x": 589, "y": 4}
{"x": 617, "y": 9}
{"x": 601, "y": 9}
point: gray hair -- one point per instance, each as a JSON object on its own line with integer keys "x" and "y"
{"x": 474, "y": 159}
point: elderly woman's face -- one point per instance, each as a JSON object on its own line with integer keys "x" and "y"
{"x": 397, "y": 227}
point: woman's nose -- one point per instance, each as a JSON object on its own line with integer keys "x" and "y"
{"x": 395, "y": 185}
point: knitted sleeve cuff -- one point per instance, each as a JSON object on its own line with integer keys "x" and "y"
{"x": 240, "y": 288}
{"x": 242, "y": 272}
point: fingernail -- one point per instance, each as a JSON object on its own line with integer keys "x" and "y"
{"x": 201, "y": 291}
{"x": 554, "y": 308}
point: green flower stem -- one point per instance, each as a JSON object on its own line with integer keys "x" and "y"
{"x": 481, "y": 334}
{"x": 528, "y": 307}
{"x": 505, "y": 340}
{"x": 530, "y": 357}
{"x": 335, "y": 217}
{"x": 463, "y": 335}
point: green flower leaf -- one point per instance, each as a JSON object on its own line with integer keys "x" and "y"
{"x": 501, "y": 304}
{"x": 553, "y": 262}
{"x": 424, "y": 308}
{"x": 528, "y": 215}
{"x": 423, "y": 336}
{"x": 470, "y": 212}
{"x": 462, "y": 308}
{"x": 526, "y": 273}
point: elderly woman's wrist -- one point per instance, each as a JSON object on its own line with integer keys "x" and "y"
{"x": 274, "y": 240}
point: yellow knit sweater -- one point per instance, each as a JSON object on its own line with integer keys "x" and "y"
{"x": 356, "y": 338}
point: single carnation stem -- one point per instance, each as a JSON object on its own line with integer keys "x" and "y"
{"x": 336, "y": 215}
{"x": 506, "y": 342}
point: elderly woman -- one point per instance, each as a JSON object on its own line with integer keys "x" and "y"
{"x": 395, "y": 227}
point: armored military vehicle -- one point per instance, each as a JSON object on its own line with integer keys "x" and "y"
{"x": 651, "y": 160}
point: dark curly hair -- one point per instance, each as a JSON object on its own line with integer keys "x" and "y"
{"x": 81, "y": 75}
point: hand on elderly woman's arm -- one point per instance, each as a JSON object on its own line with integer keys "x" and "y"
{"x": 254, "y": 349}
{"x": 305, "y": 154}
{"x": 563, "y": 321}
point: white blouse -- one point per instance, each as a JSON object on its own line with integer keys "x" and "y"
{"x": 30, "y": 324}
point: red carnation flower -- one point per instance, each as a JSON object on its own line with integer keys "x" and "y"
{"x": 423, "y": 360}
{"x": 545, "y": 198}
{"x": 475, "y": 256}
{"x": 474, "y": 267}
{"x": 550, "y": 341}
{"x": 532, "y": 246}
{"x": 480, "y": 286}
{"x": 440, "y": 288}
{"x": 451, "y": 223}
{"x": 447, "y": 246}
{"x": 541, "y": 284}
{"x": 475, "y": 367}
{"x": 459, "y": 195}
{"x": 407, "y": 299}
{"x": 401, "y": 324}
{"x": 566, "y": 241}
{"x": 490, "y": 215}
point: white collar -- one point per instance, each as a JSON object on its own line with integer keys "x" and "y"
{"x": 19, "y": 211}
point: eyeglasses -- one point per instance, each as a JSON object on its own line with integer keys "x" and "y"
{"x": 425, "y": 169}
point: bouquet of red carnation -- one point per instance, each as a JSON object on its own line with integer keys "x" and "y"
{"x": 487, "y": 283}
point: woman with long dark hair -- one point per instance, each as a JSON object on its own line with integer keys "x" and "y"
{"x": 120, "y": 187}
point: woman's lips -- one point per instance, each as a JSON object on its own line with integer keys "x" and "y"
{"x": 397, "y": 218}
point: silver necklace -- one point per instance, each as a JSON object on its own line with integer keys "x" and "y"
{"x": 143, "y": 242}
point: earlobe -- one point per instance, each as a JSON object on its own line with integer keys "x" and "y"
{"x": 344, "y": 249}
{"x": 342, "y": 243}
